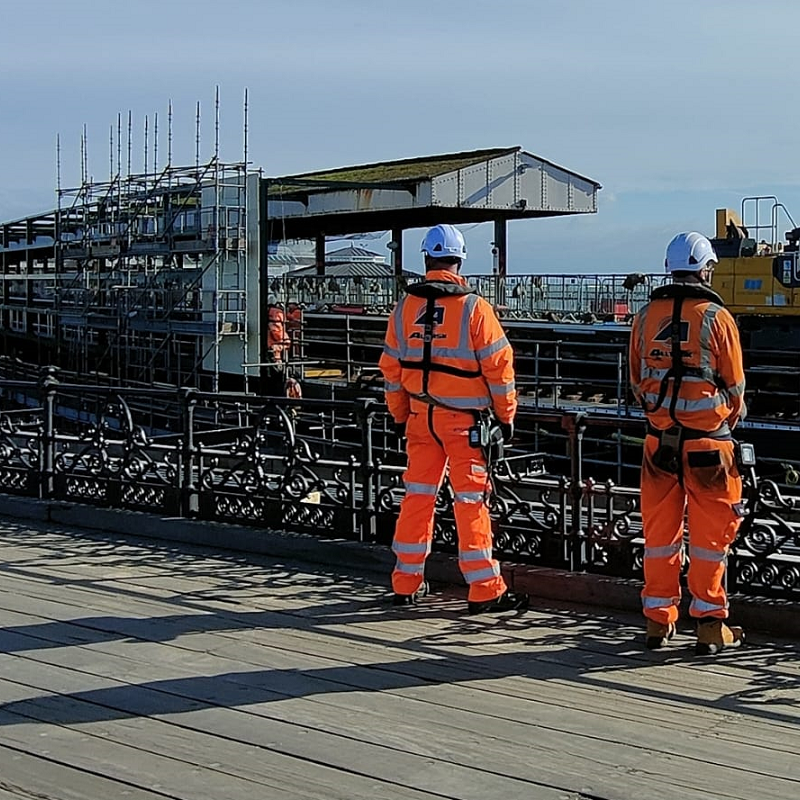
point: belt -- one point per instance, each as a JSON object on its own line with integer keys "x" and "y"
{"x": 723, "y": 433}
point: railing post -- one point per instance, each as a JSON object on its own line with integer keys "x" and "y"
{"x": 48, "y": 384}
{"x": 189, "y": 504}
{"x": 575, "y": 425}
{"x": 367, "y": 528}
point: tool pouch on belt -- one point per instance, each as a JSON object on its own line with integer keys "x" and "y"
{"x": 488, "y": 436}
{"x": 667, "y": 456}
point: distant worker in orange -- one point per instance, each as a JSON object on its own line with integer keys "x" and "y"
{"x": 446, "y": 363}
{"x": 278, "y": 340}
{"x": 686, "y": 371}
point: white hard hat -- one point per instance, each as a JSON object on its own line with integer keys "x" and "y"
{"x": 444, "y": 241}
{"x": 689, "y": 252}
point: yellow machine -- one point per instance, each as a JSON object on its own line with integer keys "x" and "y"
{"x": 756, "y": 274}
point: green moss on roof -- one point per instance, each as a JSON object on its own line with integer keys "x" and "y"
{"x": 411, "y": 169}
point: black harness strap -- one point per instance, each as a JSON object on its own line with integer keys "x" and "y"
{"x": 427, "y": 342}
{"x": 678, "y": 369}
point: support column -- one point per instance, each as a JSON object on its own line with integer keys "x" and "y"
{"x": 319, "y": 253}
{"x": 396, "y": 246}
{"x": 501, "y": 245}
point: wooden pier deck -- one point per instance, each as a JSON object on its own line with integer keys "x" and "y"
{"x": 140, "y": 669}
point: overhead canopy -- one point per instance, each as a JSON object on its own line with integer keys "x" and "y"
{"x": 476, "y": 186}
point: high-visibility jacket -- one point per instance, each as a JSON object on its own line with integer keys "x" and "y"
{"x": 467, "y": 364}
{"x": 708, "y": 370}
{"x": 278, "y": 341}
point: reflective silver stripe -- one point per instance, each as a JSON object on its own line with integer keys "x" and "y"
{"x": 491, "y": 349}
{"x": 466, "y": 402}
{"x": 410, "y": 569}
{"x": 475, "y": 555}
{"x": 642, "y": 343}
{"x": 658, "y": 602}
{"x": 482, "y": 574}
{"x": 703, "y": 554}
{"x": 736, "y": 391}
{"x": 468, "y": 497}
{"x": 703, "y": 606}
{"x": 391, "y": 387}
{"x": 411, "y": 548}
{"x": 701, "y": 404}
{"x": 502, "y": 388}
{"x": 422, "y": 488}
{"x": 391, "y": 352}
{"x": 660, "y": 374}
{"x": 402, "y": 338}
{"x": 464, "y": 338}
{"x": 667, "y": 551}
{"x": 706, "y": 327}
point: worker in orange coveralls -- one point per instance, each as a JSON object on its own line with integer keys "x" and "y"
{"x": 278, "y": 340}
{"x": 686, "y": 371}
{"x": 445, "y": 361}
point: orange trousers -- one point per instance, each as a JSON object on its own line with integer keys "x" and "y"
{"x": 711, "y": 492}
{"x": 436, "y": 437}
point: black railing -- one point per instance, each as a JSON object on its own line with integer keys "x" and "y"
{"x": 335, "y": 467}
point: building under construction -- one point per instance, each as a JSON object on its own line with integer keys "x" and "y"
{"x": 163, "y": 277}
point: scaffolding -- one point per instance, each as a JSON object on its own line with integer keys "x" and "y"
{"x": 142, "y": 278}
{"x": 151, "y": 276}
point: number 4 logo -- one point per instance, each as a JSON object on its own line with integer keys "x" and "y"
{"x": 438, "y": 316}
{"x": 665, "y": 334}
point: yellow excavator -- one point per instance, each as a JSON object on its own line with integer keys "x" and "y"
{"x": 756, "y": 273}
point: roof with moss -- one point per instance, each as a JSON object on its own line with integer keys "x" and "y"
{"x": 405, "y": 170}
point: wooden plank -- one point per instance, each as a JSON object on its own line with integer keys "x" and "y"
{"x": 23, "y": 775}
{"x": 602, "y": 751}
{"x": 353, "y": 665}
{"x": 137, "y": 746}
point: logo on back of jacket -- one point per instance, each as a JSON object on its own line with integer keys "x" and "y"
{"x": 438, "y": 319}
{"x": 665, "y": 335}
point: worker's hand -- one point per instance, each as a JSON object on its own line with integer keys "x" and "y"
{"x": 400, "y": 429}
{"x": 507, "y": 429}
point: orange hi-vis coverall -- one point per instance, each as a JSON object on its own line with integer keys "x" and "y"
{"x": 686, "y": 370}
{"x": 437, "y": 387}
{"x": 278, "y": 341}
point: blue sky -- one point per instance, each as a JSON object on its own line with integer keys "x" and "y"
{"x": 675, "y": 108}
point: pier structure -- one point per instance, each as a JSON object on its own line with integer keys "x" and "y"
{"x": 164, "y": 276}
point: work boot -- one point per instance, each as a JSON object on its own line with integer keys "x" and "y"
{"x": 411, "y": 599}
{"x": 508, "y": 601}
{"x": 713, "y": 635}
{"x": 658, "y": 635}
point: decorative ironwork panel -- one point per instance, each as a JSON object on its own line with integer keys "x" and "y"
{"x": 114, "y": 463}
{"x": 766, "y": 558}
{"x": 19, "y": 455}
{"x": 271, "y": 476}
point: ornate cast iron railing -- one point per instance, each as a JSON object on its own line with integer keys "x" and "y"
{"x": 335, "y": 468}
